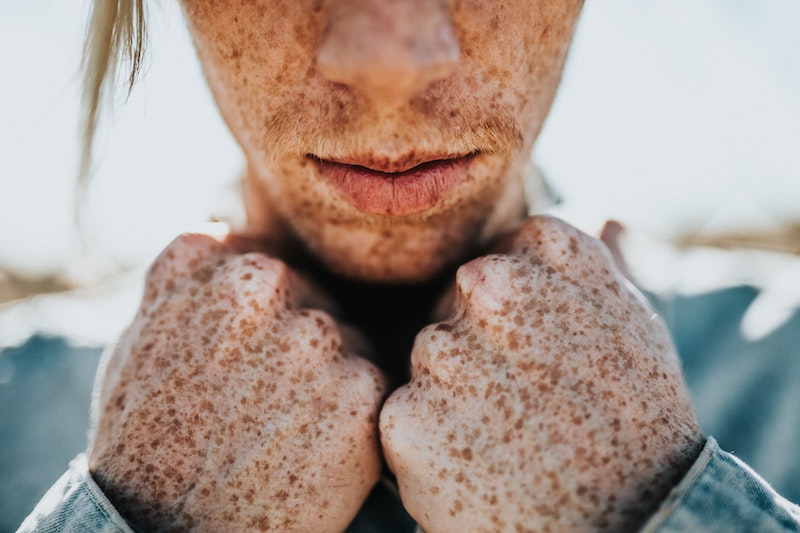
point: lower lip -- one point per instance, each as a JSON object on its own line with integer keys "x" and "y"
{"x": 398, "y": 194}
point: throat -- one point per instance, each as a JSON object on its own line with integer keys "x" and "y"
{"x": 388, "y": 316}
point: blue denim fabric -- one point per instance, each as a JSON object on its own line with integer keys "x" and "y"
{"x": 719, "y": 493}
{"x": 745, "y": 393}
{"x": 75, "y": 504}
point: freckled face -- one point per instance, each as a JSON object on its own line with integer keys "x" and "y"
{"x": 389, "y": 137}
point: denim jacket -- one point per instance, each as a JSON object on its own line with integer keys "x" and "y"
{"x": 745, "y": 393}
{"x": 719, "y": 493}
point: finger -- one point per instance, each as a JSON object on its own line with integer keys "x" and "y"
{"x": 306, "y": 294}
{"x": 442, "y": 351}
{"x": 191, "y": 256}
{"x": 548, "y": 242}
{"x": 499, "y": 293}
{"x": 272, "y": 282}
{"x": 581, "y": 258}
{"x": 255, "y": 283}
{"x": 399, "y": 434}
{"x": 611, "y": 234}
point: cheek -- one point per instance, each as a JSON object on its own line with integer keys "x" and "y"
{"x": 256, "y": 56}
{"x": 515, "y": 59}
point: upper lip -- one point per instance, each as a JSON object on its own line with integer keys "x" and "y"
{"x": 392, "y": 165}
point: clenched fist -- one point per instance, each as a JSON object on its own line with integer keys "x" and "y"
{"x": 229, "y": 406}
{"x": 552, "y": 399}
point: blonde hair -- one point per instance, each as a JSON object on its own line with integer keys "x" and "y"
{"x": 115, "y": 35}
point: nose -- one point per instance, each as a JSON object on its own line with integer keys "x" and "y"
{"x": 388, "y": 50}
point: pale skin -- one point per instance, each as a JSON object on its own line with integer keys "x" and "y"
{"x": 238, "y": 399}
{"x": 220, "y": 392}
{"x": 550, "y": 400}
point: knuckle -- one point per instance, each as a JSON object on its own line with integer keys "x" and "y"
{"x": 262, "y": 280}
{"x": 316, "y": 335}
{"x": 189, "y": 249}
{"x": 547, "y": 237}
{"x": 262, "y": 269}
{"x": 195, "y": 241}
{"x": 387, "y": 419}
{"x": 433, "y": 353}
{"x": 422, "y": 356}
{"x": 366, "y": 382}
{"x": 546, "y": 241}
{"x": 394, "y": 424}
{"x": 493, "y": 288}
{"x": 476, "y": 282}
{"x": 189, "y": 255}
{"x": 318, "y": 323}
{"x": 404, "y": 428}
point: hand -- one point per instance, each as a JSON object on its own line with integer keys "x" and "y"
{"x": 552, "y": 400}
{"x": 228, "y": 406}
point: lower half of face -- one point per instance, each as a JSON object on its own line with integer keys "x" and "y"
{"x": 394, "y": 227}
{"x": 385, "y": 168}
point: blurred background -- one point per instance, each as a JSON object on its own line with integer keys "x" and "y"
{"x": 679, "y": 118}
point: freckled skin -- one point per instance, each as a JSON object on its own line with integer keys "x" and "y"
{"x": 229, "y": 406}
{"x": 260, "y": 59}
{"x": 551, "y": 400}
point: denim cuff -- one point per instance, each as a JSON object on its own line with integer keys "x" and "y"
{"x": 75, "y": 504}
{"x": 721, "y": 493}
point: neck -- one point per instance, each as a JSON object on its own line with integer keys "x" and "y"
{"x": 388, "y": 315}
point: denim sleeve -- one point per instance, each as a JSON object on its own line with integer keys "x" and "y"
{"x": 720, "y": 493}
{"x": 75, "y": 504}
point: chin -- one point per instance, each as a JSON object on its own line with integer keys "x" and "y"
{"x": 406, "y": 251}
{"x": 400, "y": 270}
{"x": 391, "y": 265}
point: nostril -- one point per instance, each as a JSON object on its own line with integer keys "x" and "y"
{"x": 388, "y": 51}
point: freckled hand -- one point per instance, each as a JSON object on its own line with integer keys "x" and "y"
{"x": 229, "y": 406}
{"x": 550, "y": 399}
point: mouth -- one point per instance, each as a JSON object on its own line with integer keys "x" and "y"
{"x": 406, "y": 192}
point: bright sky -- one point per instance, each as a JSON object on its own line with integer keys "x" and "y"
{"x": 674, "y": 114}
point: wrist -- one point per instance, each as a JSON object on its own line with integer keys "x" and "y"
{"x": 144, "y": 510}
{"x": 654, "y": 477}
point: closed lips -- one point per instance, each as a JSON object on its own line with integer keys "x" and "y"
{"x": 396, "y": 194}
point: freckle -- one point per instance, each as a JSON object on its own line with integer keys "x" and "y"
{"x": 203, "y": 275}
{"x": 457, "y": 508}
